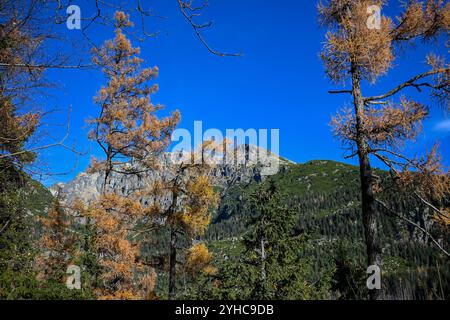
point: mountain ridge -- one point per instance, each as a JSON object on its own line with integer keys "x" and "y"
{"x": 86, "y": 186}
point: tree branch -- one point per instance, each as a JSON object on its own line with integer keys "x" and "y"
{"x": 44, "y": 66}
{"x": 392, "y": 212}
{"x": 5, "y": 226}
{"x": 409, "y": 83}
{"x": 183, "y": 6}
{"x": 339, "y": 91}
{"x": 60, "y": 143}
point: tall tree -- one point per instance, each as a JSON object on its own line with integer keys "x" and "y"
{"x": 57, "y": 243}
{"x": 272, "y": 247}
{"x": 24, "y": 40}
{"x": 358, "y": 48}
{"x": 191, "y": 197}
{"x": 131, "y": 135}
{"x": 267, "y": 262}
{"x": 128, "y": 129}
{"x": 18, "y": 45}
{"x": 16, "y": 127}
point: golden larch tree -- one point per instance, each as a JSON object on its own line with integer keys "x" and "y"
{"x": 358, "y": 49}
{"x": 123, "y": 276}
{"x": 57, "y": 244}
{"x": 131, "y": 135}
{"x": 191, "y": 198}
{"x": 128, "y": 129}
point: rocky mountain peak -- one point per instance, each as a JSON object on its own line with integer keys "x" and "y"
{"x": 243, "y": 164}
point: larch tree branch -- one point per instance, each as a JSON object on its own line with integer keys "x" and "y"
{"x": 393, "y": 212}
{"x": 410, "y": 83}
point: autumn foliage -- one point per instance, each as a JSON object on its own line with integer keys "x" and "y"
{"x": 378, "y": 126}
{"x": 123, "y": 276}
{"x": 131, "y": 135}
{"x": 57, "y": 244}
{"x": 128, "y": 126}
{"x": 191, "y": 199}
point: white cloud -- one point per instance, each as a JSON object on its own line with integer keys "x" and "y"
{"x": 443, "y": 125}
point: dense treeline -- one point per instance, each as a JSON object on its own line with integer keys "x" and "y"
{"x": 413, "y": 268}
{"x": 326, "y": 252}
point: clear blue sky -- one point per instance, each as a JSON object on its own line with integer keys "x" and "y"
{"x": 279, "y": 82}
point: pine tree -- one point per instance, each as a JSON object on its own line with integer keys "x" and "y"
{"x": 272, "y": 247}
{"x": 270, "y": 265}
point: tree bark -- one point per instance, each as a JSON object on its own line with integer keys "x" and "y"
{"x": 172, "y": 264}
{"x": 263, "y": 260}
{"x": 108, "y": 166}
{"x": 369, "y": 211}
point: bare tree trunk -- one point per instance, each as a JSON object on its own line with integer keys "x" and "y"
{"x": 172, "y": 264}
{"x": 263, "y": 260}
{"x": 109, "y": 167}
{"x": 369, "y": 212}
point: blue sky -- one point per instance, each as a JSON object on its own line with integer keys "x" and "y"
{"x": 279, "y": 83}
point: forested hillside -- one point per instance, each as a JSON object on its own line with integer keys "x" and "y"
{"x": 327, "y": 204}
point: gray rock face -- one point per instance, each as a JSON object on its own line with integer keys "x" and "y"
{"x": 244, "y": 164}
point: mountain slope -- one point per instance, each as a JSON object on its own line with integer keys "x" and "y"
{"x": 327, "y": 197}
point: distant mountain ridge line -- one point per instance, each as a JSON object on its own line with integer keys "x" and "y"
{"x": 87, "y": 185}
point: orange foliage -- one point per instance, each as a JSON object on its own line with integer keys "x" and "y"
{"x": 130, "y": 133}
{"x": 378, "y": 126}
{"x": 389, "y": 125}
{"x": 354, "y": 44}
{"x": 57, "y": 244}
{"x": 128, "y": 125}
{"x": 199, "y": 259}
{"x": 123, "y": 276}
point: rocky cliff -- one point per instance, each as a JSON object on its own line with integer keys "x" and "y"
{"x": 245, "y": 163}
